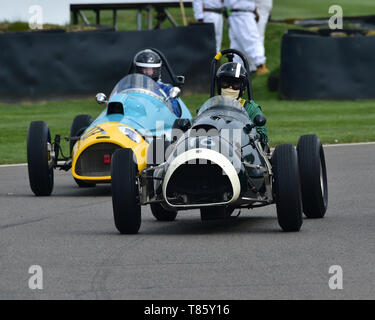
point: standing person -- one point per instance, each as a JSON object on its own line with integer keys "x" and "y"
{"x": 244, "y": 34}
{"x": 264, "y": 8}
{"x": 210, "y": 11}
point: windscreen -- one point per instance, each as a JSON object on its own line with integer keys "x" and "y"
{"x": 138, "y": 82}
{"x": 221, "y": 101}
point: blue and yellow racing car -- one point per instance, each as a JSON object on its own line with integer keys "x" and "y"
{"x": 137, "y": 112}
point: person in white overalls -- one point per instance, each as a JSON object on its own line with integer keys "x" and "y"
{"x": 210, "y": 11}
{"x": 244, "y": 35}
{"x": 264, "y": 8}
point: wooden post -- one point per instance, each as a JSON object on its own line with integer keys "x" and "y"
{"x": 139, "y": 20}
{"x": 183, "y": 12}
{"x": 149, "y": 17}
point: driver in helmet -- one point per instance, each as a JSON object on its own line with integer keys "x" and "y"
{"x": 231, "y": 80}
{"x": 149, "y": 63}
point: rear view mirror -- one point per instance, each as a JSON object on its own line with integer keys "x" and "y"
{"x": 174, "y": 93}
{"x": 101, "y": 98}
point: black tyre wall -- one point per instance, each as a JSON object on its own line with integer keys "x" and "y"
{"x": 322, "y": 67}
{"x": 70, "y": 65}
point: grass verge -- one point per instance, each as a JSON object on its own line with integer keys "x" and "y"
{"x": 332, "y": 121}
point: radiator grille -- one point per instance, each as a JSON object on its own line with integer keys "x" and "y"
{"x": 91, "y": 161}
{"x": 199, "y": 184}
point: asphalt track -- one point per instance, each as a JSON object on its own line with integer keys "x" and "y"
{"x": 71, "y": 235}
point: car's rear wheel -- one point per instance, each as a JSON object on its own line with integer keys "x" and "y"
{"x": 40, "y": 158}
{"x": 162, "y": 214}
{"x": 125, "y": 193}
{"x": 287, "y": 188}
{"x": 156, "y": 152}
{"x": 79, "y": 125}
{"x": 313, "y": 174}
{"x": 214, "y": 213}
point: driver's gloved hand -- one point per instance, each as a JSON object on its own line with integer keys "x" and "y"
{"x": 262, "y": 138}
{"x": 264, "y": 142}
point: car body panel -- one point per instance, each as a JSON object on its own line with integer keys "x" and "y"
{"x": 216, "y": 145}
{"x": 138, "y": 114}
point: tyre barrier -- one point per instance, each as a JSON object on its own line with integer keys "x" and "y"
{"x": 328, "y": 64}
{"x": 49, "y": 65}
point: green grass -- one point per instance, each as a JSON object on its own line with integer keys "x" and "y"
{"x": 332, "y": 121}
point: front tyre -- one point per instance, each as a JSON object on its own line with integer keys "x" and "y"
{"x": 287, "y": 188}
{"x": 313, "y": 173}
{"x": 40, "y": 158}
{"x": 161, "y": 214}
{"x": 125, "y": 194}
{"x": 215, "y": 213}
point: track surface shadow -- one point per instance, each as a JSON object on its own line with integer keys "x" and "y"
{"x": 198, "y": 227}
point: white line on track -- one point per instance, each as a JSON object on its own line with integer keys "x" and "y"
{"x": 348, "y": 144}
{"x": 13, "y": 165}
{"x": 325, "y": 146}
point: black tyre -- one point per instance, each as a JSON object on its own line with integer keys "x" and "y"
{"x": 83, "y": 184}
{"x": 79, "y": 125}
{"x": 39, "y": 158}
{"x": 287, "y": 188}
{"x": 161, "y": 214}
{"x": 313, "y": 174}
{"x": 156, "y": 151}
{"x": 214, "y": 213}
{"x": 125, "y": 194}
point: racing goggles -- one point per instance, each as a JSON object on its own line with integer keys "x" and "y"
{"x": 236, "y": 85}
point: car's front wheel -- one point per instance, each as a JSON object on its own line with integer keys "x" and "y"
{"x": 161, "y": 214}
{"x": 214, "y": 213}
{"x": 286, "y": 185}
{"x": 40, "y": 158}
{"x": 125, "y": 193}
{"x": 79, "y": 125}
